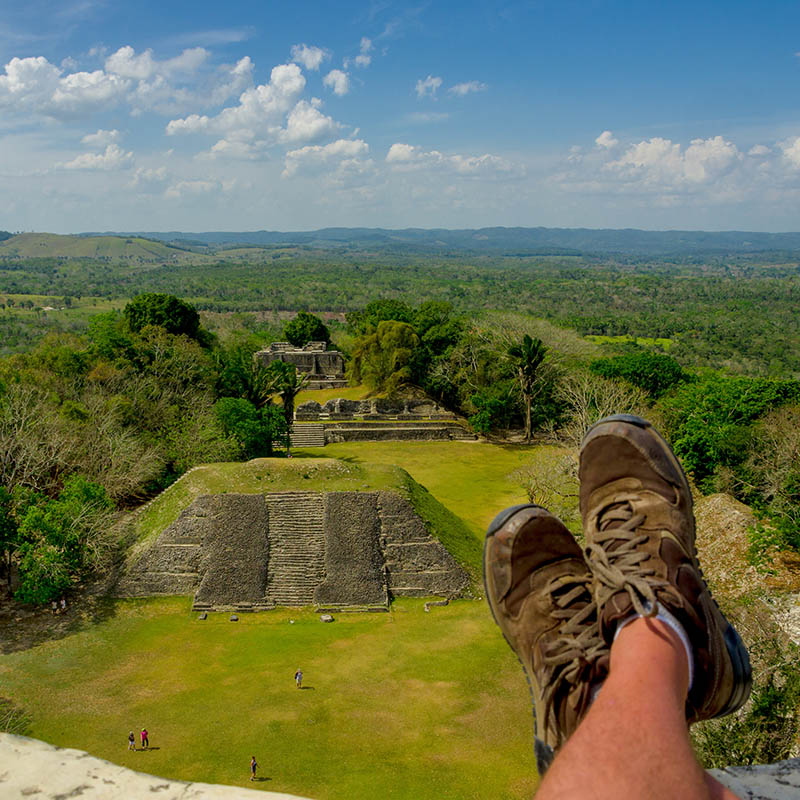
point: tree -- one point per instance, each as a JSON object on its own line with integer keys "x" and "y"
{"x": 254, "y": 428}
{"x": 654, "y": 372}
{"x": 289, "y": 383}
{"x": 378, "y": 311}
{"x": 165, "y": 310}
{"x": 62, "y": 539}
{"x": 305, "y": 328}
{"x": 9, "y": 536}
{"x": 527, "y": 357}
{"x": 240, "y": 375}
{"x": 383, "y": 359}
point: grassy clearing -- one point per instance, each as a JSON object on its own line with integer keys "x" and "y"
{"x": 322, "y": 396}
{"x": 471, "y": 479}
{"x": 399, "y": 705}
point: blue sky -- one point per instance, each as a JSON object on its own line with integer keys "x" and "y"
{"x": 178, "y": 115}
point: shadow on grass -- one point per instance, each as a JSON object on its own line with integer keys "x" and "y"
{"x": 308, "y": 688}
{"x": 260, "y": 780}
{"x": 25, "y": 626}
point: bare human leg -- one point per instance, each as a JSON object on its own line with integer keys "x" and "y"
{"x": 634, "y": 741}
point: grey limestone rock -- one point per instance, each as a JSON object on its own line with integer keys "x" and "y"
{"x": 353, "y": 559}
{"x": 31, "y": 768}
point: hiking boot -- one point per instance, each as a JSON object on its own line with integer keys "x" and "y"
{"x": 539, "y": 590}
{"x": 637, "y": 515}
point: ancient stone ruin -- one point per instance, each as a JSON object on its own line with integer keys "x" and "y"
{"x": 332, "y": 550}
{"x": 379, "y": 419}
{"x": 324, "y": 367}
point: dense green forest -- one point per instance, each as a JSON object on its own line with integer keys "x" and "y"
{"x": 108, "y": 378}
{"x": 736, "y": 313}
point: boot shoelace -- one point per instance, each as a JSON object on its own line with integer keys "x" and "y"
{"x": 619, "y": 567}
{"x": 572, "y": 655}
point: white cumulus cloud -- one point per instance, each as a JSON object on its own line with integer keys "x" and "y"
{"x": 316, "y": 156}
{"x": 460, "y": 89}
{"x": 306, "y": 123}
{"x": 606, "y": 140}
{"x": 125, "y": 63}
{"x": 338, "y": 81}
{"x": 661, "y": 161}
{"x": 406, "y": 157}
{"x": 101, "y": 138}
{"x": 428, "y": 87}
{"x": 309, "y": 56}
{"x": 363, "y": 59}
{"x": 259, "y": 107}
{"x": 114, "y": 157}
{"x": 791, "y": 151}
{"x": 35, "y": 85}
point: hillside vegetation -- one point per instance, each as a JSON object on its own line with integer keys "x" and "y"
{"x": 25, "y": 246}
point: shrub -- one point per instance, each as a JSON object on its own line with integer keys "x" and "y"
{"x": 305, "y": 328}
{"x": 653, "y": 372}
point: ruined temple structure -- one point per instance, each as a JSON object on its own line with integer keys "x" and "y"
{"x": 324, "y": 367}
{"x": 248, "y": 552}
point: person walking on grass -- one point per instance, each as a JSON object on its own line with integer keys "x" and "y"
{"x": 131, "y": 741}
{"x": 622, "y": 643}
{"x": 253, "y": 766}
{"x": 298, "y": 679}
{"x": 145, "y": 739}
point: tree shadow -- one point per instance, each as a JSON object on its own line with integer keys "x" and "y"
{"x": 25, "y": 626}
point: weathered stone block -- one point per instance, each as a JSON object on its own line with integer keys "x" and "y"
{"x": 235, "y": 564}
{"x": 353, "y": 559}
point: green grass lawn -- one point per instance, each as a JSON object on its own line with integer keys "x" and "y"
{"x": 400, "y": 705}
{"x": 322, "y": 396}
{"x": 472, "y": 479}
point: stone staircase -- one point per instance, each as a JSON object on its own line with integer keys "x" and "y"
{"x": 310, "y": 434}
{"x": 296, "y": 547}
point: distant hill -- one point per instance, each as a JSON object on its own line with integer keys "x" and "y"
{"x": 130, "y": 249}
{"x": 507, "y": 241}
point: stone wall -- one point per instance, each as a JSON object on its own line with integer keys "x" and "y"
{"x": 382, "y": 408}
{"x": 325, "y": 367}
{"x": 249, "y": 552}
{"x": 417, "y": 564}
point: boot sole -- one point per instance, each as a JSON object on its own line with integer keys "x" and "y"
{"x": 737, "y": 652}
{"x": 543, "y": 751}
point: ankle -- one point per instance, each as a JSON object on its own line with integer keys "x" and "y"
{"x": 649, "y": 649}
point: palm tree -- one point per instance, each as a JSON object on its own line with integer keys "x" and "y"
{"x": 527, "y": 357}
{"x": 289, "y": 383}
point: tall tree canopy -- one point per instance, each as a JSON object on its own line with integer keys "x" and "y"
{"x": 305, "y": 328}
{"x": 166, "y": 310}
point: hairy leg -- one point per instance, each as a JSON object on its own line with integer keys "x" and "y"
{"x": 634, "y": 741}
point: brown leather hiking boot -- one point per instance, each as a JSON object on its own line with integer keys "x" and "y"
{"x": 637, "y": 516}
{"x": 539, "y": 590}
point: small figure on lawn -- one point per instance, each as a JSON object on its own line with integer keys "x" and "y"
{"x": 54, "y": 607}
{"x": 253, "y": 766}
{"x": 145, "y": 740}
{"x": 131, "y": 741}
{"x": 63, "y": 604}
{"x": 298, "y": 679}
